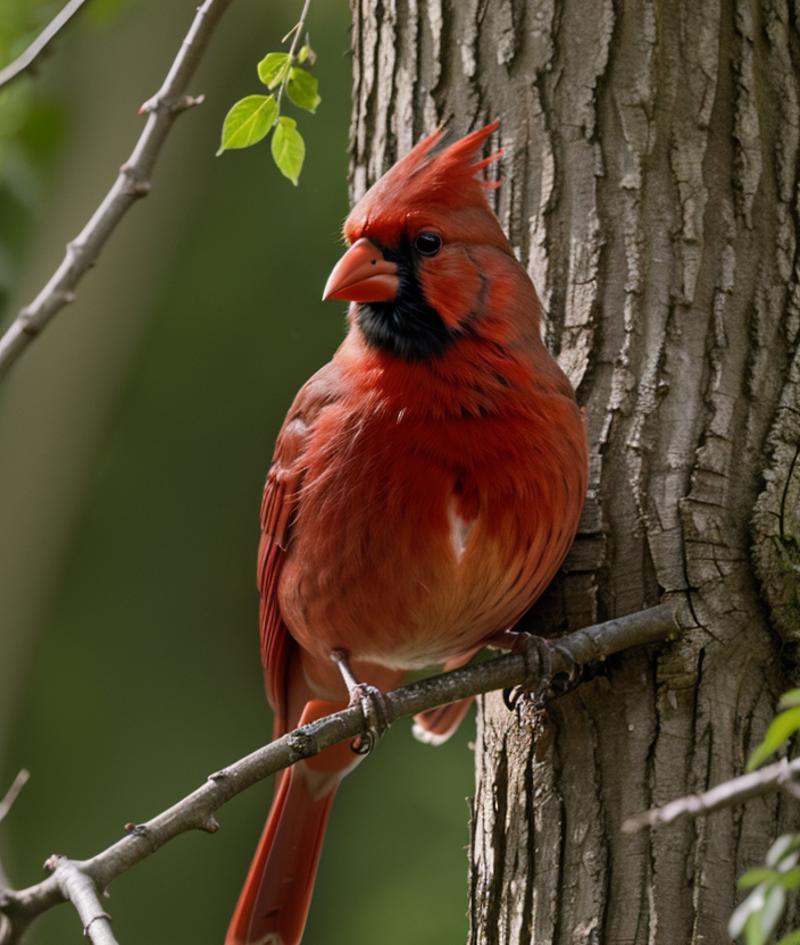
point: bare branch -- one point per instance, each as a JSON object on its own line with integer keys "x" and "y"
{"x": 5, "y": 806}
{"x": 81, "y": 891}
{"x": 781, "y": 775}
{"x": 133, "y": 181}
{"x": 196, "y": 810}
{"x": 13, "y": 793}
{"x": 27, "y": 59}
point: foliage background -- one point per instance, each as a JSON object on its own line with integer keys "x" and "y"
{"x": 134, "y": 439}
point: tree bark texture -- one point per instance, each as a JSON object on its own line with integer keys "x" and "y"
{"x": 651, "y": 188}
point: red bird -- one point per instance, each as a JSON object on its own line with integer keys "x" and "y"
{"x": 425, "y": 488}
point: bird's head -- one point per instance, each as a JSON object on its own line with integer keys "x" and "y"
{"x": 419, "y": 243}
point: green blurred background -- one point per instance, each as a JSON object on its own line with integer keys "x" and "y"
{"x": 134, "y": 439}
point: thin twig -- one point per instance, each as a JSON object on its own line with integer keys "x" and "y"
{"x": 13, "y": 793}
{"x": 196, "y": 810}
{"x": 781, "y": 775}
{"x": 5, "y": 806}
{"x": 133, "y": 181}
{"x": 297, "y": 29}
{"x": 26, "y": 60}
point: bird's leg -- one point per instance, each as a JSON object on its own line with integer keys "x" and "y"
{"x": 552, "y": 669}
{"x": 377, "y": 714}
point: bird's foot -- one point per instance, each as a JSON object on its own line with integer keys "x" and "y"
{"x": 376, "y": 715}
{"x": 372, "y": 701}
{"x": 552, "y": 670}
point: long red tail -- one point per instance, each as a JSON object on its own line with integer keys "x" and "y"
{"x": 273, "y": 904}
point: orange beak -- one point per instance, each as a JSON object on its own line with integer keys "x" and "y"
{"x": 362, "y": 275}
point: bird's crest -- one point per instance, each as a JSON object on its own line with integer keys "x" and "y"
{"x": 431, "y": 174}
{"x": 432, "y": 165}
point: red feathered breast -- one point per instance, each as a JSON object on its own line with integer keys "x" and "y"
{"x": 414, "y": 540}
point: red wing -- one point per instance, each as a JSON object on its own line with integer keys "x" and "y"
{"x": 278, "y": 511}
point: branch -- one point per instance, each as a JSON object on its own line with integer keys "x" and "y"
{"x": 782, "y": 774}
{"x": 297, "y": 29}
{"x": 5, "y": 806}
{"x": 26, "y": 60}
{"x": 13, "y": 793}
{"x": 133, "y": 181}
{"x": 196, "y": 810}
{"x": 81, "y": 891}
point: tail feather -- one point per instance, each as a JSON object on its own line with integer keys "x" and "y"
{"x": 435, "y": 726}
{"x": 274, "y": 902}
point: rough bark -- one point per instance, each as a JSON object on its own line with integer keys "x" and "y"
{"x": 651, "y": 187}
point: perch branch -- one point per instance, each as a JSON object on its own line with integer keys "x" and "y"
{"x": 196, "y": 810}
{"x": 27, "y": 59}
{"x": 781, "y": 775}
{"x": 133, "y": 181}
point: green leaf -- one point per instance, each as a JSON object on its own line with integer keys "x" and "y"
{"x": 793, "y": 938}
{"x": 790, "y": 879}
{"x": 273, "y": 68}
{"x": 248, "y": 121}
{"x": 780, "y": 731}
{"x": 754, "y": 931}
{"x": 742, "y": 913}
{"x": 302, "y": 89}
{"x": 288, "y": 148}
{"x": 755, "y": 876}
{"x": 773, "y": 910}
{"x": 761, "y": 917}
{"x": 307, "y": 54}
{"x": 786, "y": 845}
{"x": 790, "y": 699}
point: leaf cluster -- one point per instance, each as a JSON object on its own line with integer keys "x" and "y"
{"x": 252, "y": 118}
{"x": 781, "y": 729}
{"x": 757, "y": 916}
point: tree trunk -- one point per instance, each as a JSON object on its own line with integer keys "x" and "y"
{"x": 650, "y": 186}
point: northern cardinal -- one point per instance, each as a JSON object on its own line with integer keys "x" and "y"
{"x": 426, "y": 486}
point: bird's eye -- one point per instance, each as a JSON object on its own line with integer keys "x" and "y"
{"x": 428, "y": 244}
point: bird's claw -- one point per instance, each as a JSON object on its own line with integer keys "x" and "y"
{"x": 376, "y": 716}
{"x": 543, "y": 681}
{"x": 374, "y": 707}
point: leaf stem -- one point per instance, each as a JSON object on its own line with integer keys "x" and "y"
{"x": 292, "y": 30}
{"x": 297, "y": 29}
